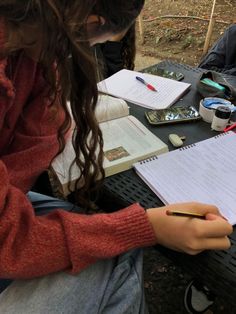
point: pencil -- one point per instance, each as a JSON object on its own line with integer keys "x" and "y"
{"x": 184, "y": 214}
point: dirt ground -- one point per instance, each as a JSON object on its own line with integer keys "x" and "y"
{"x": 165, "y": 284}
{"x": 181, "y": 37}
{"x": 181, "y": 40}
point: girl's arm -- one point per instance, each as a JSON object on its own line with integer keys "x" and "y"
{"x": 35, "y": 246}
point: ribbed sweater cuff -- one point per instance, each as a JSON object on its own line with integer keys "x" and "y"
{"x": 133, "y": 229}
{"x": 101, "y": 236}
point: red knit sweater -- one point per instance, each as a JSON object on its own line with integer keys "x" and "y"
{"x": 33, "y": 246}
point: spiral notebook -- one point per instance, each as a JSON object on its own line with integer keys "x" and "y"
{"x": 203, "y": 172}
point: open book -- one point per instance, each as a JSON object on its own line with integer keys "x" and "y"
{"x": 126, "y": 140}
{"x": 203, "y": 172}
{"x": 124, "y": 84}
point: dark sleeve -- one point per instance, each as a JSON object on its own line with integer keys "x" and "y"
{"x": 223, "y": 54}
{"x": 230, "y": 71}
{"x": 112, "y": 59}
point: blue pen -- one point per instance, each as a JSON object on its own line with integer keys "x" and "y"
{"x": 149, "y": 86}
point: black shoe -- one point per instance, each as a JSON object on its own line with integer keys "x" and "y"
{"x": 197, "y": 298}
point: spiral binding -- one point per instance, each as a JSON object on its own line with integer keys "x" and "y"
{"x": 180, "y": 149}
{"x": 186, "y": 147}
{"x": 148, "y": 160}
{"x": 221, "y": 134}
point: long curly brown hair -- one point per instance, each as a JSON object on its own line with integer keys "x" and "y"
{"x": 129, "y": 48}
{"x": 65, "y": 43}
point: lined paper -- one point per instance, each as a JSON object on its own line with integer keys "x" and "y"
{"x": 124, "y": 85}
{"x": 204, "y": 172}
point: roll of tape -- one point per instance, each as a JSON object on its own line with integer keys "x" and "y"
{"x": 206, "y": 114}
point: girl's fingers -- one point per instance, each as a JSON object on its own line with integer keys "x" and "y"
{"x": 194, "y": 207}
{"x": 216, "y": 228}
{"x": 222, "y": 243}
{"x": 204, "y": 208}
{"x": 213, "y": 217}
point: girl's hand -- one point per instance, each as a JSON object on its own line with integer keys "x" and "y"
{"x": 190, "y": 235}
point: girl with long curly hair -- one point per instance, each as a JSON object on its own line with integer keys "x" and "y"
{"x": 60, "y": 259}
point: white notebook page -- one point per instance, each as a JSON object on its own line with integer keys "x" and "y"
{"x": 123, "y": 84}
{"x": 204, "y": 172}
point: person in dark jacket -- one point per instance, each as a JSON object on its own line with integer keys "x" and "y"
{"x": 222, "y": 56}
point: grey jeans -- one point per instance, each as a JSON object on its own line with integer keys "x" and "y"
{"x": 109, "y": 286}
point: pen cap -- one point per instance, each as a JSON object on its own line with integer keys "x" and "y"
{"x": 223, "y": 112}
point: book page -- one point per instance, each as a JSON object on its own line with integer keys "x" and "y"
{"x": 61, "y": 163}
{"x": 124, "y": 85}
{"x": 109, "y": 108}
{"x": 203, "y": 172}
{"x": 127, "y": 140}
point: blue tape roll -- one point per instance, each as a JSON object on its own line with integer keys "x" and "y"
{"x": 214, "y": 102}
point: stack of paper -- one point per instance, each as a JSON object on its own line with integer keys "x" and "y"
{"x": 124, "y": 85}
